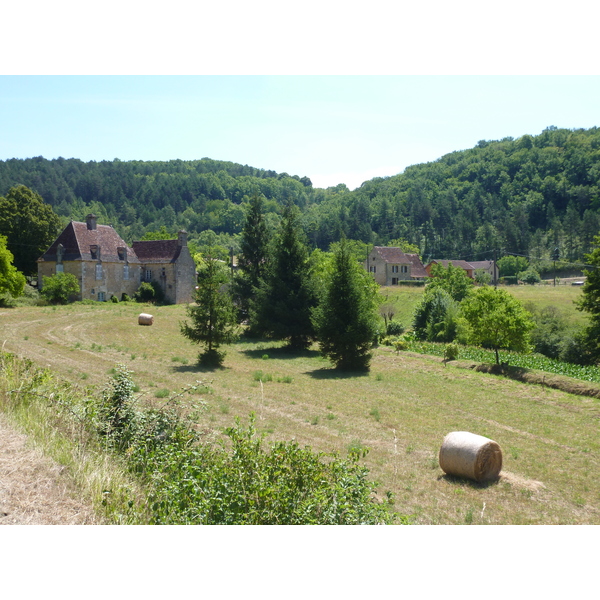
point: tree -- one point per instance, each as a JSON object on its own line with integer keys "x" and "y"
{"x": 11, "y": 280}
{"x": 60, "y": 288}
{"x": 252, "y": 260}
{"x": 29, "y": 225}
{"x": 436, "y": 317}
{"x": 452, "y": 279}
{"x": 497, "y": 320}
{"x": 590, "y": 303}
{"x": 511, "y": 266}
{"x": 345, "y": 319}
{"x": 213, "y": 318}
{"x": 281, "y": 308}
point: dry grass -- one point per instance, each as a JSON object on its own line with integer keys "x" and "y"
{"x": 401, "y": 410}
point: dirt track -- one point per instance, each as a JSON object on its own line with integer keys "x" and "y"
{"x": 33, "y": 489}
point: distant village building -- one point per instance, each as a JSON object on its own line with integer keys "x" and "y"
{"x": 487, "y": 266}
{"x": 390, "y": 266}
{"x": 106, "y": 266}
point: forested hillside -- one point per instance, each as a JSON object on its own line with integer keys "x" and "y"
{"x": 525, "y": 196}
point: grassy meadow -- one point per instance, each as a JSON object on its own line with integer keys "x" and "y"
{"x": 401, "y": 410}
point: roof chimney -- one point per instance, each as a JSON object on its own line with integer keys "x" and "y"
{"x": 182, "y": 238}
{"x": 91, "y": 221}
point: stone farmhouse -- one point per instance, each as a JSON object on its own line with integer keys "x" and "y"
{"x": 390, "y": 266}
{"x": 488, "y": 266}
{"x": 106, "y": 266}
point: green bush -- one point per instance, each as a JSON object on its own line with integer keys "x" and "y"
{"x": 394, "y": 328}
{"x": 60, "y": 288}
{"x": 451, "y": 352}
{"x": 530, "y": 277}
{"x": 114, "y": 299}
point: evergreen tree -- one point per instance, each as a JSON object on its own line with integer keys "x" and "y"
{"x": 213, "y": 318}
{"x": 345, "y": 319}
{"x": 281, "y": 308}
{"x": 252, "y": 259}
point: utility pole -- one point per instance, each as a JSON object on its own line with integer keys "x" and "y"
{"x": 555, "y": 257}
{"x": 494, "y": 267}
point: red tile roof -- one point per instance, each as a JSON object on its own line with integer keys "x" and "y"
{"x": 395, "y": 255}
{"x": 157, "y": 251}
{"x": 77, "y": 239}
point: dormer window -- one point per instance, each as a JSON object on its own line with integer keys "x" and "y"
{"x": 95, "y": 252}
{"x": 122, "y": 252}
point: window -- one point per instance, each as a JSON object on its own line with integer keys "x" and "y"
{"x": 121, "y": 253}
{"x": 125, "y": 271}
{"x": 394, "y": 268}
{"x": 148, "y": 275}
{"x": 394, "y": 281}
{"x": 101, "y": 296}
{"x": 60, "y": 268}
{"x": 404, "y": 269}
{"x": 99, "y": 271}
{"x": 373, "y": 269}
{"x": 94, "y": 252}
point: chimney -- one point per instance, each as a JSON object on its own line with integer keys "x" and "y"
{"x": 182, "y": 238}
{"x": 91, "y": 221}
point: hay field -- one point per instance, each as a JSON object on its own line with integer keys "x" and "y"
{"x": 401, "y": 410}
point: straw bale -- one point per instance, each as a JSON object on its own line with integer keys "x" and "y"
{"x": 470, "y": 455}
{"x": 145, "y": 319}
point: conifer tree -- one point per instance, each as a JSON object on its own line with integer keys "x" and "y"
{"x": 213, "y": 318}
{"x": 345, "y": 320}
{"x": 281, "y": 308}
{"x": 252, "y": 259}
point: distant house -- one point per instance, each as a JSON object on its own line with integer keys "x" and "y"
{"x": 390, "y": 266}
{"x": 106, "y": 266}
{"x": 470, "y": 268}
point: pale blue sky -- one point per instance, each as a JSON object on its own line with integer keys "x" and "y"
{"x": 332, "y": 129}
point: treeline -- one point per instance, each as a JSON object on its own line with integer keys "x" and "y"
{"x": 523, "y": 196}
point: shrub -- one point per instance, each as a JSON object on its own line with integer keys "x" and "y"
{"x": 60, "y": 288}
{"x": 450, "y": 352}
{"x": 149, "y": 292}
{"x": 114, "y": 299}
{"x": 530, "y": 277}
{"x": 394, "y": 328}
{"x": 125, "y": 297}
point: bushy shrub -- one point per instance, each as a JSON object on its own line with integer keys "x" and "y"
{"x": 530, "y": 277}
{"x": 60, "y": 288}
{"x": 394, "y": 328}
{"x": 114, "y": 299}
{"x": 125, "y": 297}
{"x": 149, "y": 292}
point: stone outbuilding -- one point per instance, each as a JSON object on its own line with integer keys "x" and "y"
{"x": 106, "y": 266}
{"x": 390, "y": 266}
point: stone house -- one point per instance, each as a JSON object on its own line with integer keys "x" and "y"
{"x": 390, "y": 266}
{"x": 106, "y": 266}
{"x": 489, "y": 266}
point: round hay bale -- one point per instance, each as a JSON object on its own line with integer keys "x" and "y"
{"x": 470, "y": 455}
{"x": 145, "y": 319}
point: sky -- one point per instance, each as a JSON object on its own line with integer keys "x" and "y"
{"x": 336, "y": 92}
{"x": 333, "y": 129}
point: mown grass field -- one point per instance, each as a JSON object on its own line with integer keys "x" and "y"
{"x": 401, "y": 410}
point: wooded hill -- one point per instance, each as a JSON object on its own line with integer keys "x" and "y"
{"x": 525, "y": 196}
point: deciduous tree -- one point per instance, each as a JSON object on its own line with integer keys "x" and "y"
{"x": 497, "y": 320}
{"x": 30, "y": 226}
{"x": 11, "y": 280}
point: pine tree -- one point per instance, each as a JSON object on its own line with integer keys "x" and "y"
{"x": 213, "y": 318}
{"x": 252, "y": 259}
{"x": 281, "y": 308}
{"x": 345, "y": 320}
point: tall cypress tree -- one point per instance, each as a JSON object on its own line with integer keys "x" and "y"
{"x": 345, "y": 320}
{"x": 281, "y": 308}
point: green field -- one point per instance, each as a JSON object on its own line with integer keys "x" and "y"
{"x": 401, "y": 410}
